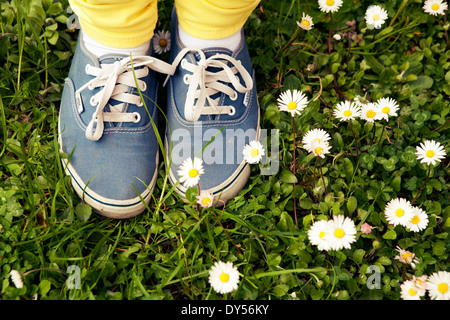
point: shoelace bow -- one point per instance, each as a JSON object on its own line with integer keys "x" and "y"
{"x": 116, "y": 79}
{"x": 204, "y": 84}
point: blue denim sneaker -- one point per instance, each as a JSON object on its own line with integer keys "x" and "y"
{"x": 211, "y": 94}
{"x": 107, "y": 131}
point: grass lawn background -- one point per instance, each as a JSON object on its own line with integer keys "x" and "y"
{"x": 48, "y": 234}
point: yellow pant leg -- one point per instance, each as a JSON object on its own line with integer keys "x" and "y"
{"x": 119, "y": 23}
{"x": 213, "y": 19}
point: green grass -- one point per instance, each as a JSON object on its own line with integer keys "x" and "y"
{"x": 166, "y": 252}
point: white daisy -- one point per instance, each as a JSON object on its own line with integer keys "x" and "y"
{"x": 205, "y": 199}
{"x": 398, "y": 211}
{"x": 318, "y": 135}
{"x": 190, "y": 172}
{"x": 161, "y": 41}
{"x": 16, "y": 278}
{"x": 341, "y": 232}
{"x": 438, "y": 285}
{"x": 329, "y": 5}
{"x": 409, "y": 291}
{"x": 375, "y": 16}
{"x": 320, "y": 149}
{"x": 370, "y": 112}
{"x": 253, "y": 152}
{"x": 306, "y": 23}
{"x": 420, "y": 283}
{"x": 346, "y": 110}
{"x": 418, "y": 220}
{"x": 388, "y": 107}
{"x": 317, "y": 235}
{"x": 293, "y": 101}
{"x": 430, "y": 152}
{"x": 406, "y": 257}
{"x": 224, "y": 277}
{"x": 435, "y": 7}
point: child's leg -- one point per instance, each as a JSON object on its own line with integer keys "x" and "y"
{"x": 213, "y": 19}
{"x": 119, "y": 23}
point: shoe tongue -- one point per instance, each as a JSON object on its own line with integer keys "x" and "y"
{"x": 209, "y": 52}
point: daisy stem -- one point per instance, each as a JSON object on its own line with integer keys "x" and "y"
{"x": 356, "y": 140}
{"x": 292, "y": 39}
{"x": 423, "y": 186}
{"x": 379, "y": 141}
{"x": 294, "y": 165}
{"x": 374, "y": 131}
{"x": 329, "y": 35}
{"x": 323, "y": 179}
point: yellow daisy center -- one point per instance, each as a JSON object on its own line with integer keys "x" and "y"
{"x": 193, "y": 173}
{"x": 370, "y": 114}
{"x": 415, "y": 220}
{"x": 442, "y": 287}
{"x": 224, "y": 277}
{"x": 330, "y": 2}
{"x": 399, "y": 212}
{"x": 435, "y": 7}
{"x": 206, "y": 201}
{"x": 305, "y": 23}
{"x": 412, "y": 292}
{"x": 386, "y": 110}
{"x": 430, "y": 153}
{"x": 339, "y": 233}
{"x": 292, "y": 105}
{"x": 376, "y": 17}
{"x": 254, "y": 152}
{"x": 407, "y": 256}
{"x": 347, "y": 113}
{"x": 321, "y": 234}
{"x": 318, "y": 150}
{"x": 163, "y": 43}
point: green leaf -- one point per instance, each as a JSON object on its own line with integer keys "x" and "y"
{"x": 390, "y": 235}
{"x": 191, "y": 195}
{"x": 44, "y": 287}
{"x": 83, "y": 211}
{"x": 348, "y": 168}
{"x": 358, "y": 255}
{"x": 287, "y": 176}
{"x": 352, "y": 203}
{"x": 374, "y": 64}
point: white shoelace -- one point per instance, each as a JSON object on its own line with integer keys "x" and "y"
{"x": 116, "y": 79}
{"x": 204, "y": 84}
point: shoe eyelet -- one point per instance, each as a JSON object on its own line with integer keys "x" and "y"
{"x": 137, "y": 117}
{"x": 93, "y": 102}
{"x": 144, "y": 87}
{"x": 234, "y": 97}
{"x": 232, "y": 111}
{"x": 140, "y": 104}
{"x": 87, "y": 68}
{"x": 186, "y": 79}
{"x": 183, "y": 63}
